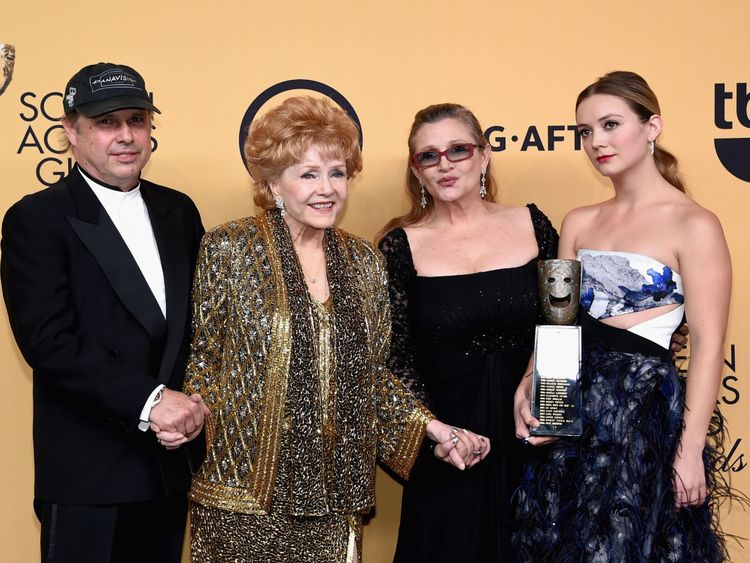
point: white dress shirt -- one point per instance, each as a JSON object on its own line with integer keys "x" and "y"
{"x": 129, "y": 214}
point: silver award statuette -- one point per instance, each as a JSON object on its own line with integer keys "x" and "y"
{"x": 7, "y": 61}
{"x": 555, "y": 396}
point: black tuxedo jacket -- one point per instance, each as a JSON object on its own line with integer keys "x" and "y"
{"x": 87, "y": 323}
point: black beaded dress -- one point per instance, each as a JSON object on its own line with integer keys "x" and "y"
{"x": 461, "y": 343}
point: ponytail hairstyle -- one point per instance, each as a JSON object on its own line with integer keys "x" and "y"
{"x": 433, "y": 114}
{"x": 634, "y": 91}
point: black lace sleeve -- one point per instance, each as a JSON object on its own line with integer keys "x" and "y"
{"x": 546, "y": 235}
{"x": 546, "y": 239}
{"x": 401, "y": 273}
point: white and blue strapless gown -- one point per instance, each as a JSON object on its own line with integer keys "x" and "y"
{"x": 607, "y": 496}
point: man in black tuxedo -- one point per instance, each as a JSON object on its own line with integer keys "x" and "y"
{"x": 96, "y": 274}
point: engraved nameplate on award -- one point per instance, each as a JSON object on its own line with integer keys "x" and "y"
{"x": 555, "y": 392}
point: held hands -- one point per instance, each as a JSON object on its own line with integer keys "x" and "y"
{"x": 679, "y": 340}
{"x": 178, "y": 418}
{"x": 689, "y": 480}
{"x": 523, "y": 418}
{"x": 457, "y": 446}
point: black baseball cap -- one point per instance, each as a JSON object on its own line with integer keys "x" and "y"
{"x": 105, "y": 87}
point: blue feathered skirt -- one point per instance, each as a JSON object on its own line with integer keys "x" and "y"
{"x": 607, "y": 496}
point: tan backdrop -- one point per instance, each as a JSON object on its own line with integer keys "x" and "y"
{"x": 518, "y": 65}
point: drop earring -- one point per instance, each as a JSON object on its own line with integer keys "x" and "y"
{"x": 652, "y": 147}
{"x": 482, "y": 187}
{"x": 423, "y": 201}
{"x": 279, "y": 204}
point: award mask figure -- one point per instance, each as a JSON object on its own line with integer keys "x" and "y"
{"x": 557, "y": 351}
{"x": 559, "y": 289}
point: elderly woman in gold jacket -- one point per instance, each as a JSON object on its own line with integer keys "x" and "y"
{"x": 291, "y": 334}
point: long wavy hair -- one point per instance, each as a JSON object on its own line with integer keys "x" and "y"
{"x": 632, "y": 89}
{"x": 433, "y": 114}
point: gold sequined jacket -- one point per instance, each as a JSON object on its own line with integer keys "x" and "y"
{"x": 244, "y": 347}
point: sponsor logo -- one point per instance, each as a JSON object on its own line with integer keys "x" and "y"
{"x": 112, "y": 79}
{"x": 733, "y": 458}
{"x": 733, "y": 152}
{"x": 287, "y": 85}
{"x": 71, "y": 96}
{"x": 539, "y": 138}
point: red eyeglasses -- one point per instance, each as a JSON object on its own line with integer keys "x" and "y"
{"x": 431, "y": 157}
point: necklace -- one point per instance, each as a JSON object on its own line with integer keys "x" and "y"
{"x": 321, "y": 269}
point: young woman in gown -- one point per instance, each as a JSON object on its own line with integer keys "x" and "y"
{"x": 463, "y": 290}
{"x": 640, "y": 484}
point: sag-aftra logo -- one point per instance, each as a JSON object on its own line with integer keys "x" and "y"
{"x": 730, "y": 114}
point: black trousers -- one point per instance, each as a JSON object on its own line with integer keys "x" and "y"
{"x": 137, "y": 532}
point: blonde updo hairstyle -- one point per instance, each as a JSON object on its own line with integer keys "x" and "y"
{"x": 282, "y": 136}
{"x": 635, "y": 91}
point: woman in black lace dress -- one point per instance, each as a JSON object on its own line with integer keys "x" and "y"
{"x": 462, "y": 273}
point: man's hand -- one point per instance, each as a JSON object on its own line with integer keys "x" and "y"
{"x": 679, "y": 340}
{"x": 178, "y": 417}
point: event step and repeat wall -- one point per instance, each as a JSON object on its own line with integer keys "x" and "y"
{"x": 519, "y": 66}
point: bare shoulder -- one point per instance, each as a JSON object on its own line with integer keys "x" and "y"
{"x": 499, "y": 208}
{"x": 574, "y": 228}
{"x": 583, "y": 215}
{"x": 508, "y": 213}
{"x": 418, "y": 234}
{"x": 694, "y": 220}
{"x": 698, "y": 235}
{"x": 416, "y": 230}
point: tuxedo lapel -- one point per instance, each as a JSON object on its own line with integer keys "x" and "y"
{"x": 99, "y": 234}
{"x": 167, "y": 221}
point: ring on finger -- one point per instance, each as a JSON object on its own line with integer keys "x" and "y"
{"x": 453, "y": 436}
{"x": 477, "y": 452}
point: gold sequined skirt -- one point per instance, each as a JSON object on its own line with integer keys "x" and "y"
{"x": 219, "y": 536}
